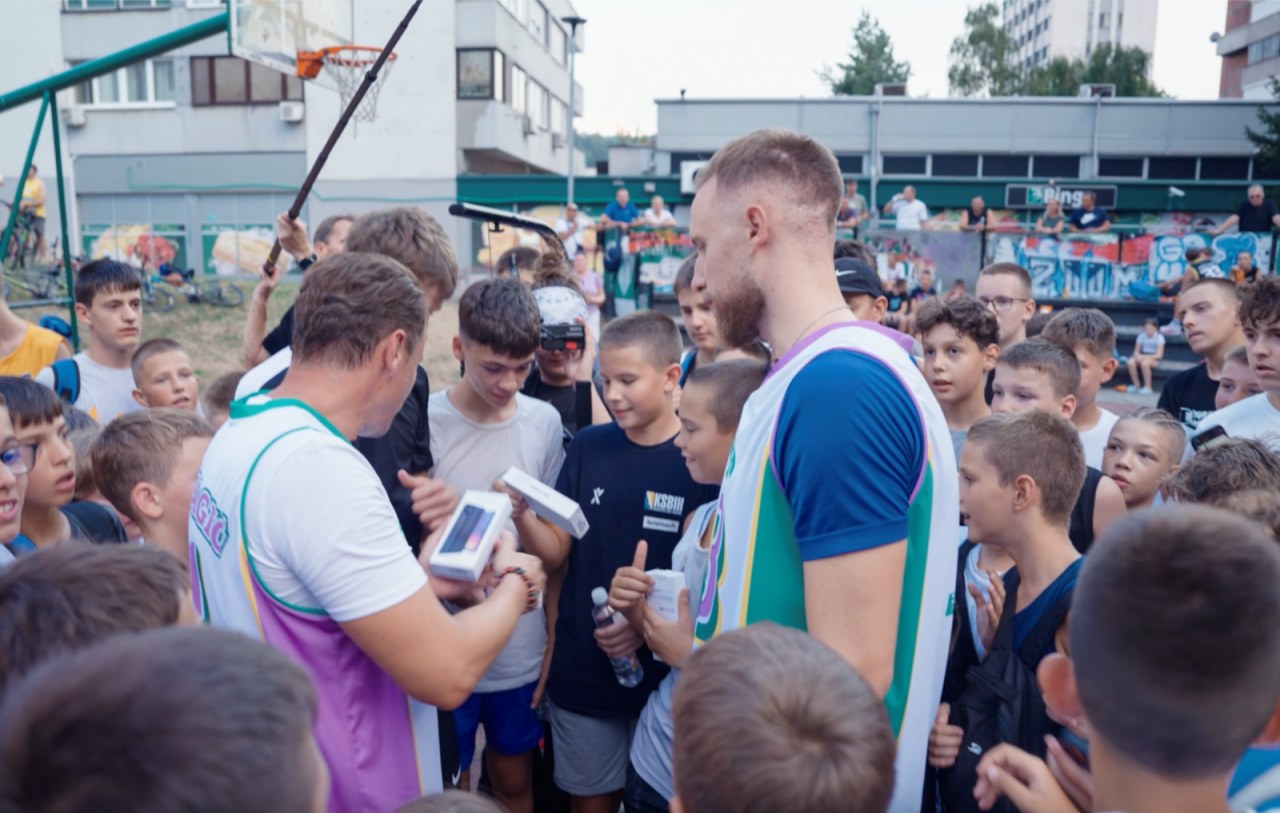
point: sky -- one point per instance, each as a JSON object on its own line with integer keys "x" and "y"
{"x": 636, "y": 51}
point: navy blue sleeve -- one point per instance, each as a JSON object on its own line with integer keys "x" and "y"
{"x": 1103, "y": 217}
{"x": 850, "y": 450}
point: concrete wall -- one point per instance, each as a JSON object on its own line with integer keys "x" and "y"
{"x": 1064, "y": 126}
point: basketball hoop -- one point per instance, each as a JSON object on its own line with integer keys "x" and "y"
{"x": 347, "y": 65}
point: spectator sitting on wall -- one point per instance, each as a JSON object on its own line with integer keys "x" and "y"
{"x": 657, "y": 215}
{"x": 1244, "y": 272}
{"x": 910, "y": 211}
{"x": 1052, "y": 221}
{"x": 975, "y": 217}
{"x": 570, "y": 228}
{"x": 622, "y": 213}
{"x": 1089, "y": 217}
{"x": 1256, "y": 214}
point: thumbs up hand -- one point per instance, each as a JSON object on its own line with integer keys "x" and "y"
{"x": 630, "y": 584}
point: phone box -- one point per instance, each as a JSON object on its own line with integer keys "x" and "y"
{"x": 548, "y": 503}
{"x": 470, "y": 535}
{"x": 665, "y": 595}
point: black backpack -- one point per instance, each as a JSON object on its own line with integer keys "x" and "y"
{"x": 1001, "y": 702}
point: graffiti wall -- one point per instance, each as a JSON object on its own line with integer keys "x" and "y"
{"x": 948, "y": 255}
{"x": 1103, "y": 266}
{"x": 231, "y": 250}
{"x": 141, "y": 244}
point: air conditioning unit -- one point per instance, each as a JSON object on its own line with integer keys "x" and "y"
{"x": 292, "y": 112}
{"x": 527, "y": 124}
{"x": 75, "y": 116}
{"x": 891, "y": 89}
{"x": 557, "y": 141}
{"x": 689, "y": 176}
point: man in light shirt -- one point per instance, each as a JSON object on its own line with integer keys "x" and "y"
{"x": 571, "y": 228}
{"x": 908, "y": 209}
{"x": 657, "y": 215}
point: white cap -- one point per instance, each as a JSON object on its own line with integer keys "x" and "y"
{"x": 558, "y": 305}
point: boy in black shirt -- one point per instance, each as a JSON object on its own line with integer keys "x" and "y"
{"x": 1211, "y": 323}
{"x": 632, "y": 484}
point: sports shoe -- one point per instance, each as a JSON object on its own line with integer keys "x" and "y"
{"x": 1174, "y": 328}
{"x": 1145, "y": 391}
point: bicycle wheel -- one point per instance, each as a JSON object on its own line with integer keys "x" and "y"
{"x": 221, "y": 294}
{"x": 158, "y": 299}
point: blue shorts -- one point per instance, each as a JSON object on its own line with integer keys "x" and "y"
{"x": 510, "y": 726}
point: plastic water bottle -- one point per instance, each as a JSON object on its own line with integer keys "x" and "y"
{"x": 626, "y": 669}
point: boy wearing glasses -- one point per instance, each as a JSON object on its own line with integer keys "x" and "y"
{"x": 49, "y": 515}
{"x": 1005, "y": 288}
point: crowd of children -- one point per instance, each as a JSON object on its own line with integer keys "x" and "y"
{"x": 923, "y": 568}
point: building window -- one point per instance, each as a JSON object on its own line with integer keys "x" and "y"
{"x": 906, "y": 164}
{"x": 850, "y": 164}
{"x": 558, "y": 43}
{"x": 140, "y": 84}
{"x": 480, "y": 73}
{"x": 559, "y": 116}
{"x": 539, "y": 105}
{"x": 1271, "y": 46}
{"x": 1001, "y": 166}
{"x": 1224, "y": 169}
{"x": 1120, "y": 167}
{"x": 955, "y": 166}
{"x": 538, "y": 21}
{"x": 112, "y": 5}
{"x": 519, "y": 88}
{"x": 217, "y": 80}
{"x": 1055, "y": 166}
{"x": 1171, "y": 169}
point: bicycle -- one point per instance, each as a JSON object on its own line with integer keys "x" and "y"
{"x": 24, "y": 243}
{"x": 38, "y": 282}
{"x": 198, "y": 290}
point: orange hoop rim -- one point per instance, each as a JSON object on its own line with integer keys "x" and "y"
{"x": 361, "y": 56}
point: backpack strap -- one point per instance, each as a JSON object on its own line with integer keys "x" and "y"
{"x": 66, "y": 379}
{"x": 1004, "y": 632}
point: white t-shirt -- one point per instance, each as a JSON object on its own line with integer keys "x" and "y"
{"x": 911, "y": 214}
{"x": 652, "y": 218}
{"x": 472, "y": 455}
{"x": 291, "y": 534}
{"x": 1095, "y": 440}
{"x": 1255, "y": 417}
{"x": 1150, "y": 345}
{"x": 573, "y": 241}
{"x": 257, "y": 377}
{"x": 105, "y": 392}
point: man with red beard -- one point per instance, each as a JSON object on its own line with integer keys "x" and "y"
{"x": 839, "y": 501}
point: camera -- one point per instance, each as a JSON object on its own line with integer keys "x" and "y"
{"x": 563, "y": 337}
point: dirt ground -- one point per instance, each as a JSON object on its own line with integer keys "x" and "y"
{"x": 212, "y": 336}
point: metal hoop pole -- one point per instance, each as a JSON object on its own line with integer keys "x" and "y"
{"x": 268, "y": 267}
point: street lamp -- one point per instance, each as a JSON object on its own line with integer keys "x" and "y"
{"x": 573, "y": 23}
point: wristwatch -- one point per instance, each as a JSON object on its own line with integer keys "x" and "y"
{"x": 307, "y": 262}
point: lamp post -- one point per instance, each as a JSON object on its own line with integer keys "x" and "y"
{"x": 573, "y": 23}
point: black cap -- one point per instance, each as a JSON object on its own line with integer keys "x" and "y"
{"x": 856, "y": 277}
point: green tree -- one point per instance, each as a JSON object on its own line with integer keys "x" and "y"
{"x": 1058, "y": 77}
{"x": 870, "y": 62}
{"x": 1267, "y": 139}
{"x": 981, "y": 58}
{"x": 1126, "y": 68}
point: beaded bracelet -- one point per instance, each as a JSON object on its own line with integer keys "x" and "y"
{"x": 532, "y": 603}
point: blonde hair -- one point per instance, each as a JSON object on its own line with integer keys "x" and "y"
{"x": 782, "y": 159}
{"x": 141, "y": 447}
{"x": 1040, "y": 445}
{"x": 412, "y": 237}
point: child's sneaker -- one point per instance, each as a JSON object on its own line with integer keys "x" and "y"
{"x": 1174, "y": 328}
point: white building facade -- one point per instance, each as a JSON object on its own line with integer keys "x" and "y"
{"x": 1044, "y": 29}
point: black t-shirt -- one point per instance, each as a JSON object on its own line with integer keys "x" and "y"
{"x": 627, "y": 493}
{"x": 1081, "y": 527}
{"x": 1188, "y": 396}
{"x": 572, "y": 402}
{"x": 976, "y": 219}
{"x": 896, "y": 301}
{"x": 1256, "y": 218}
{"x": 281, "y": 336}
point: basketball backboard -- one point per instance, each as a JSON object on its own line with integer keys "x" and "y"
{"x": 272, "y": 32}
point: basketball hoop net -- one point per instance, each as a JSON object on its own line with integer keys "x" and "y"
{"x": 347, "y": 65}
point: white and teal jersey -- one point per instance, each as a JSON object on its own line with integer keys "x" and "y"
{"x": 843, "y": 449}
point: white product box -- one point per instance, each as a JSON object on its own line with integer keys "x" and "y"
{"x": 665, "y": 596}
{"x": 548, "y": 503}
{"x": 470, "y": 536}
